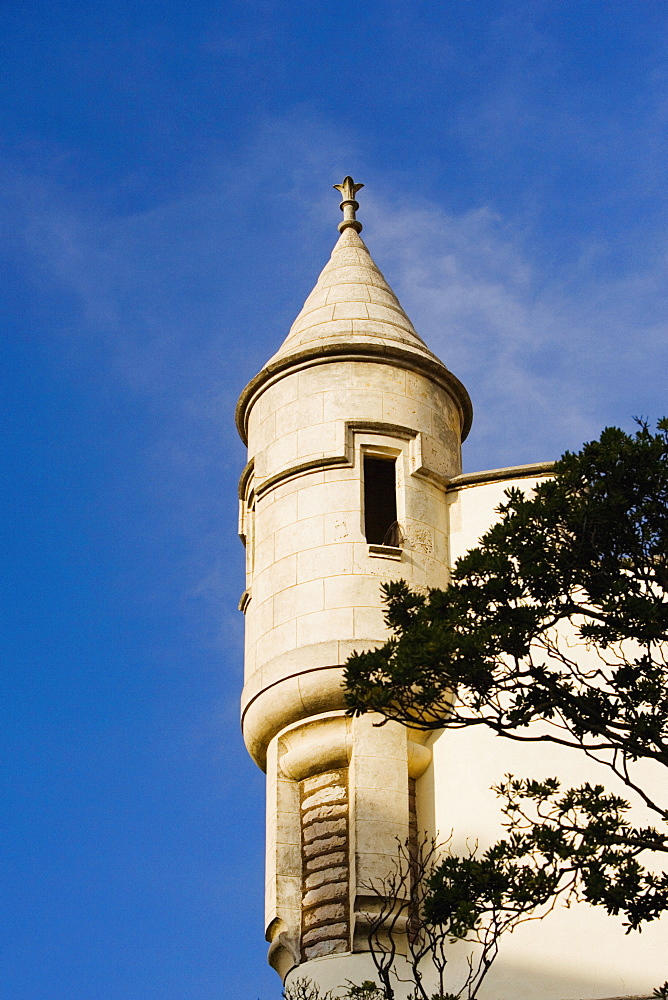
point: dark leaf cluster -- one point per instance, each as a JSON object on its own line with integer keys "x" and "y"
{"x": 585, "y": 555}
{"x": 554, "y": 628}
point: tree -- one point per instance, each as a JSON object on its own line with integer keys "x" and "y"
{"x": 432, "y": 899}
{"x": 479, "y": 897}
{"x": 554, "y": 629}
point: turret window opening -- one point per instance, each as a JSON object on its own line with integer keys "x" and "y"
{"x": 380, "y": 501}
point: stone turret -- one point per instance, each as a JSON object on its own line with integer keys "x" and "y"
{"x": 353, "y": 428}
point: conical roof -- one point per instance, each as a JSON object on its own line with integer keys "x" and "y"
{"x": 352, "y": 312}
{"x": 351, "y": 302}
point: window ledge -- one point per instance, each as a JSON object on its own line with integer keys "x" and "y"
{"x": 385, "y": 552}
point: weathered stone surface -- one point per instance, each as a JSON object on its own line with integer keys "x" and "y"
{"x": 328, "y": 828}
{"x": 325, "y": 933}
{"x": 326, "y": 875}
{"x": 317, "y": 847}
{"x": 324, "y": 893}
{"x": 325, "y": 948}
{"x": 320, "y": 780}
{"x": 328, "y": 913}
{"x": 323, "y": 796}
{"x": 325, "y": 812}
{"x": 326, "y": 860}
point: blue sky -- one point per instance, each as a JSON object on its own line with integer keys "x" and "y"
{"x": 165, "y": 187}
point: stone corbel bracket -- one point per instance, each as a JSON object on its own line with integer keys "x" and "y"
{"x": 319, "y": 744}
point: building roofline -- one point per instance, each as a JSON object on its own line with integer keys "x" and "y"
{"x": 381, "y": 352}
{"x": 537, "y": 469}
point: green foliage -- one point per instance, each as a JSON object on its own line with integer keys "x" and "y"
{"x": 582, "y": 561}
{"x": 577, "y": 843}
{"x": 305, "y": 989}
{"x": 586, "y": 556}
{"x": 366, "y": 991}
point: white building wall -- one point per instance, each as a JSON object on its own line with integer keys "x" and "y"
{"x": 578, "y": 952}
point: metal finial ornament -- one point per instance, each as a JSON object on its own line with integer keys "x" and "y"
{"x": 349, "y": 205}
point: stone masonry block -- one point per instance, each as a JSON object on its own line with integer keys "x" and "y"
{"x": 317, "y": 847}
{"x": 352, "y": 309}
{"x": 321, "y": 625}
{"x": 277, "y": 455}
{"x": 352, "y": 590}
{"x": 326, "y": 497}
{"x": 327, "y": 778}
{"x": 275, "y": 578}
{"x": 383, "y": 313}
{"x": 325, "y": 860}
{"x": 299, "y": 413}
{"x": 327, "y": 828}
{"x": 319, "y": 563}
{"x": 347, "y": 291}
{"x": 317, "y": 314}
{"x": 325, "y": 812}
{"x": 323, "y": 378}
{"x": 325, "y": 893}
{"x": 277, "y": 640}
{"x": 323, "y": 948}
{"x": 353, "y": 404}
{"x": 325, "y": 933}
{"x": 376, "y": 772}
{"x": 278, "y": 395}
{"x": 274, "y": 513}
{"x": 324, "y": 796}
{"x": 382, "y": 295}
{"x": 318, "y": 439}
{"x": 330, "y": 912}
{"x": 293, "y": 601}
{"x": 335, "y": 328}
{"x": 326, "y": 876}
{"x": 369, "y": 623}
{"x": 306, "y": 534}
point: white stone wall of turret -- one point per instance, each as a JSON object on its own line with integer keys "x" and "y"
{"x": 313, "y": 589}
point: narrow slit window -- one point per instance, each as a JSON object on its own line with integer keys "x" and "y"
{"x": 380, "y": 500}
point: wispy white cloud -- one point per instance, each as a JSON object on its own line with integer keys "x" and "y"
{"x": 185, "y": 301}
{"x": 549, "y": 356}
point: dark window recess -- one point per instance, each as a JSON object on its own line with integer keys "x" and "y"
{"x": 380, "y": 500}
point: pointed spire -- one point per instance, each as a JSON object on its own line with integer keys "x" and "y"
{"x": 352, "y": 311}
{"x": 349, "y": 205}
{"x": 351, "y": 303}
